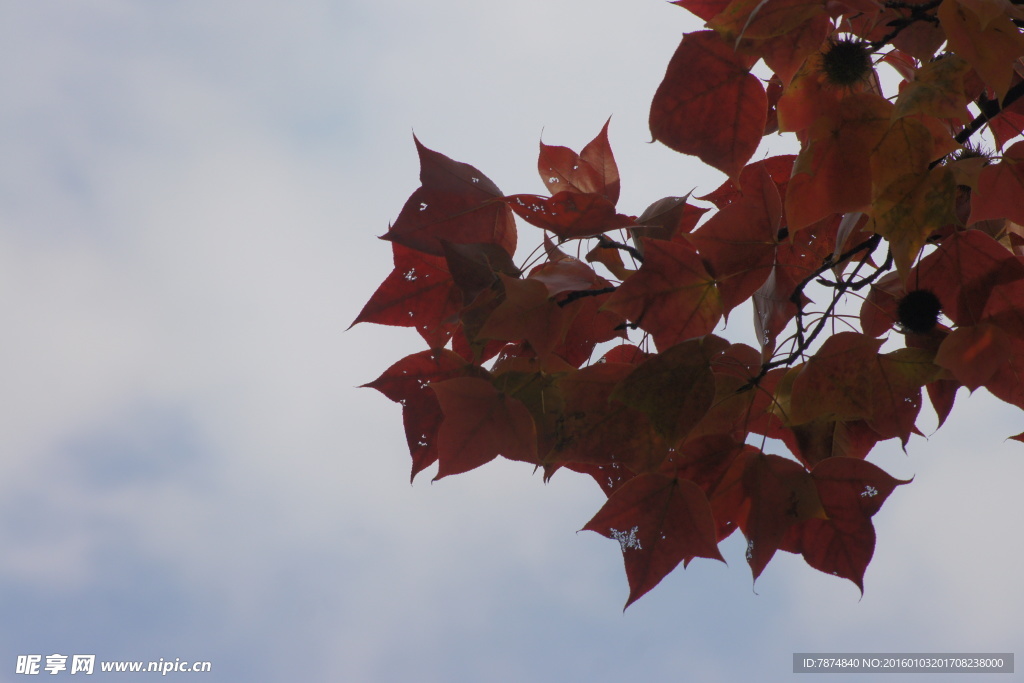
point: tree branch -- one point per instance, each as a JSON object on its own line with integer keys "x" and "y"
{"x": 583, "y": 293}
{"x": 805, "y": 339}
{"x": 917, "y": 13}
{"x": 606, "y": 242}
{"x": 989, "y": 110}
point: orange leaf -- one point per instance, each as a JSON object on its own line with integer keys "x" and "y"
{"x": 908, "y": 201}
{"x": 785, "y": 54}
{"x": 754, "y": 19}
{"x": 848, "y": 380}
{"x": 937, "y": 90}
{"x": 987, "y": 10}
{"x": 992, "y": 50}
{"x": 659, "y": 521}
{"x": 752, "y": 181}
{"x": 832, "y": 174}
{"x": 709, "y": 104}
{"x": 920, "y": 40}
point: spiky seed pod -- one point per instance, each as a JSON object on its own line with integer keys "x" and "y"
{"x": 846, "y": 62}
{"x": 970, "y": 151}
{"x": 919, "y": 311}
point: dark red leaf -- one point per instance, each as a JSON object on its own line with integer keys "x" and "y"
{"x": 1006, "y": 384}
{"x": 624, "y": 353}
{"x": 480, "y": 423}
{"x": 602, "y": 432}
{"x": 851, "y": 492}
{"x": 974, "y": 353}
{"x": 738, "y": 243}
{"x": 839, "y": 549}
{"x": 752, "y": 181}
{"x": 527, "y": 313}
{"x": 610, "y": 478}
{"x": 407, "y": 383}
{"x": 659, "y": 521}
{"x": 667, "y": 219}
{"x": 569, "y": 214}
{"x": 942, "y": 394}
{"x": 963, "y": 271}
{"x": 852, "y": 489}
{"x": 674, "y": 388}
{"x": 671, "y": 296}
{"x": 778, "y": 493}
{"x": 456, "y": 203}
{"x": 475, "y": 267}
{"x": 1000, "y": 192}
{"x": 819, "y": 439}
{"x": 705, "y": 9}
{"x": 591, "y": 171}
{"x": 418, "y": 293}
{"x": 565, "y": 275}
{"x": 589, "y": 325}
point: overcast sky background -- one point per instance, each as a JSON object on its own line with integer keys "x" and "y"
{"x": 190, "y": 194}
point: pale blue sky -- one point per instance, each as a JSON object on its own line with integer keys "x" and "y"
{"x": 190, "y": 195}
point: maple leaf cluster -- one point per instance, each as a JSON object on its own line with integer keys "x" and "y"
{"x": 535, "y": 363}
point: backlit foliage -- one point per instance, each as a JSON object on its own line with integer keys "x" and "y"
{"x": 599, "y": 357}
